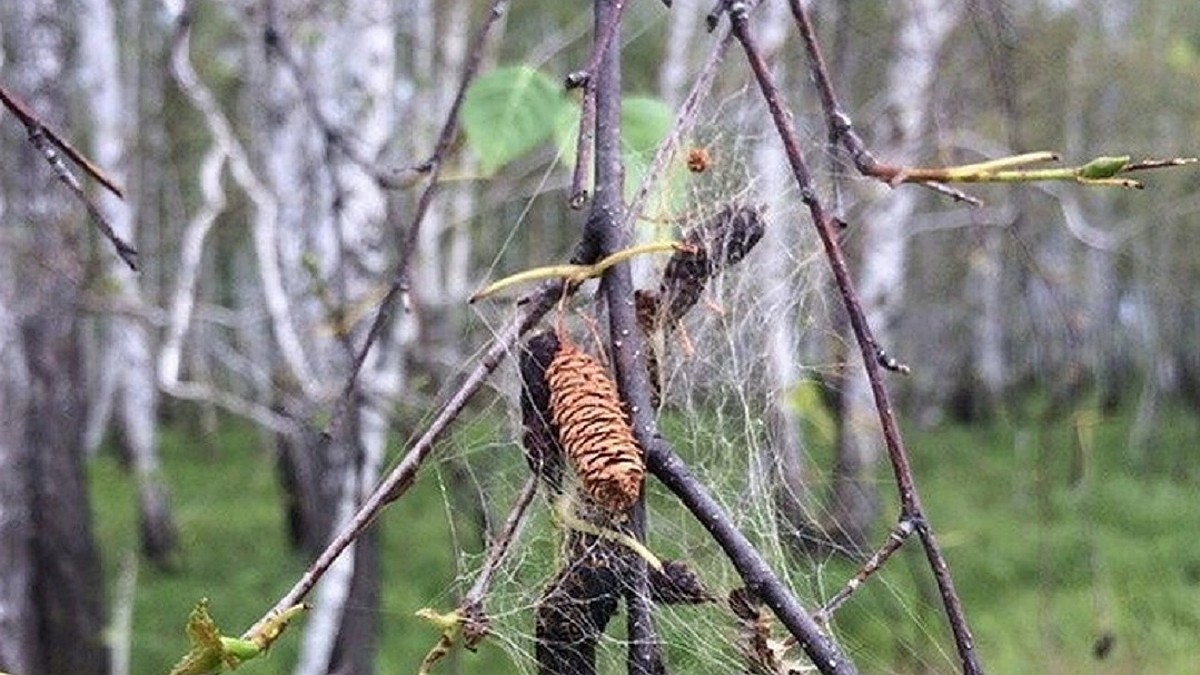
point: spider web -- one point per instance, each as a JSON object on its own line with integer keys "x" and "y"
{"x": 721, "y": 408}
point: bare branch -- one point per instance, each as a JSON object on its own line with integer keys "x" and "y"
{"x": 501, "y": 544}
{"x": 578, "y": 194}
{"x": 31, "y": 121}
{"x": 910, "y": 503}
{"x": 48, "y": 143}
{"x": 896, "y": 538}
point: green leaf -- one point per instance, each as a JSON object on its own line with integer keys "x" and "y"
{"x": 207, "y": 654}
{"x": 508, "y": 112}
{"x": 213, "y": 653}
{"x": 644, "y": 123}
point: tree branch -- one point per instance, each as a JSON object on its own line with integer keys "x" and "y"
{"x": 604, "y": 226}
{"x": 48, "y": 143}
{"x": 910, "y": 503}
{"x": 668, "y": 467}
{"x": 578, "y": 193}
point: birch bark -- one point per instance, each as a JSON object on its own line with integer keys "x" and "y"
{"x": 333, "y": 246}
{"x": 56, "y": 614}
{"x": 125, "y": 371}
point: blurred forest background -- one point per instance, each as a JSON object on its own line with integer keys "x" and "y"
{"x": 158, "y": 429}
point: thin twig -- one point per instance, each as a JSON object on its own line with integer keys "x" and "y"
{"x": 896, "y": 538}
{"x": 29, "y": 119}
{"x": 500, "y": 546}
{"x": 469, "y": 619}
{"x": 910, "y": 503}
{"x": 841, "y": 127}
{"x": 475, "y": 623}
{"x": 48, "y": 143}
{"x": 432, "y": 167}
{"x": 578, "y": 194}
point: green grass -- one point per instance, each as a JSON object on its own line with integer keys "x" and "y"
{"x": 226, "y": 501}
{"x": 1052, "y": 543}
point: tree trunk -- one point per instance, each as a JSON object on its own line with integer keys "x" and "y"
{"x": 922, "y": 26}
{"x": 20, "y": 648}
{"x": 328, "y": 85}
{"x": 126, "y": 366}
{"x": 53, "y": 621}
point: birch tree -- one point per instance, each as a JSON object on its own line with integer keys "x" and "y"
{"x": 51, "y": 615}
{"x": 125, "y": 386}
{"x": 333, "y": 244}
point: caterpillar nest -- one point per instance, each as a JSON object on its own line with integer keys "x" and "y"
{"x": 593, "y": 429}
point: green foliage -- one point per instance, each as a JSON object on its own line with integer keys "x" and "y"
{"x": 809, "y": 403}
{"x": 234, "y": 551}
{"x": 211, "y": 652}
{"x": 510, "y": 111}
{"x": 1052, "y": 544}
{"x": 644, "y": 123}
{"x": 505, "y": 113}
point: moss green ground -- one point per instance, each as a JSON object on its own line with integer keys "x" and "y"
{"x": 1054, "y": 542}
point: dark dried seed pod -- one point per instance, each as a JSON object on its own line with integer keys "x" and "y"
{"x": 744, "y": 604}
{"x": 646, "y": 310}
{"x": 572, "y": 614}
{"x": 732, "y": 233}
{"x": 723, "y": 239}
{"x": 677, "y": 584}
{"x": 593, "y": 430}
{"x": 542, "y": 449}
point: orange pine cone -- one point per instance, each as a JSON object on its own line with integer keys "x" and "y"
{"x": 593, "y": 429}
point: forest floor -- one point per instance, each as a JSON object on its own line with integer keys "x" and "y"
{"x": 1062, "y": 543}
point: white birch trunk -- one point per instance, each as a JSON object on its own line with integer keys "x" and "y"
{"x": 677, "y": 70}
{"x": 126, "y": 366}
{"x": 333, "y": 242}
{"x": 19, "y": 648}
{"x": 44, "y": 506}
